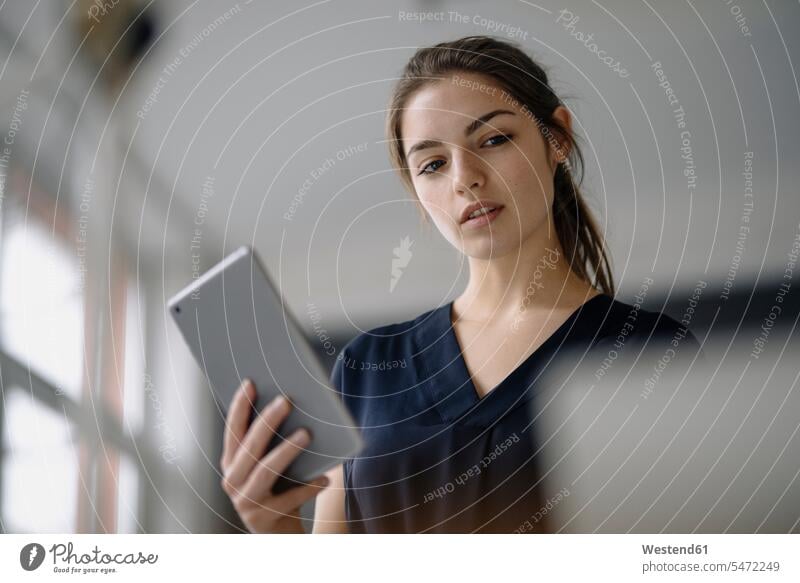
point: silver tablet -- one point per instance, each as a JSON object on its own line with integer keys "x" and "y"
{"x": 236, "y": 325}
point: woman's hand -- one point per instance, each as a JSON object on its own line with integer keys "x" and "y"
{"x": 249, "y": 474}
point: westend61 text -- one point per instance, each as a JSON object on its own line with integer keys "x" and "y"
{"x": 673, "y": 550}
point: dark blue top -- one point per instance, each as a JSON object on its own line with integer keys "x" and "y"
{"x": 437, "y": 457}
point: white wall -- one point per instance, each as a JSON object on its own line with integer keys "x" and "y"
{"x": 276, "y": 89}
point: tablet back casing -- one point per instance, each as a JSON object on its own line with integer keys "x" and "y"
{"x": 237, "y": 327}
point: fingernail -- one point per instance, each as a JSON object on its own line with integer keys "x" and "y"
{"x": 300, "y": 437}
{"x": 279, "y": 402}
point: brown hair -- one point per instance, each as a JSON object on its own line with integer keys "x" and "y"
{"x": 526, "y": 82}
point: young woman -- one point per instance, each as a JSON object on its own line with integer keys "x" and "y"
{"x": 486, "y": 147}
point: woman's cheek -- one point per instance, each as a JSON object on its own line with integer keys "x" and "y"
{"x": 433, "y": 204}
{"x": 440, "y": 218}
{"x": 443, "y": 222}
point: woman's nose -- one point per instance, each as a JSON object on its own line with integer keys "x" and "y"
{"x": 467, "y": 174}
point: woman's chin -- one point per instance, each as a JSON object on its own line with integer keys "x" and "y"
{"x": 488, "y": 247}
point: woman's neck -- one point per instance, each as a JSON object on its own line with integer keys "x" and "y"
{"x": 536, "y": 277}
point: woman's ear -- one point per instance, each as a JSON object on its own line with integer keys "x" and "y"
{"x": 560, "y": 152}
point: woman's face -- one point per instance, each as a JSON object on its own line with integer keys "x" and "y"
{"x": 466, "y": 141}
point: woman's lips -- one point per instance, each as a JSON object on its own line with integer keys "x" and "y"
{"x": 482, "y": 220}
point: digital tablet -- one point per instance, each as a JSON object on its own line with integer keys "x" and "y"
{"x": 234, "y": 321}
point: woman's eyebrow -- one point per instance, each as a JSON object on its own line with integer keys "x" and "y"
{"x": 485, "y": 118}
{"x": 470, "y": 129}
{"x": 422, "y": 146}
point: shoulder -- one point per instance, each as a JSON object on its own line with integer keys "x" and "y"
{"x": 624, "y": 323}
{"x": 385, "y": 348}
{"x": 390, "y": 338}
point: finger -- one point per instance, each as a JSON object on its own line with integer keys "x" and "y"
{"x": 237, "y": 420}
{"x": 292, "y": 499}
{"x": 272, "y": 465}
{"x": 258, "y": 436}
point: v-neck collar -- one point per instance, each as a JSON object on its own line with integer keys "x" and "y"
{"x": 447, "y": 379}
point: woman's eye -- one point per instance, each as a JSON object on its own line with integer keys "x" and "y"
{"x": 430, "y": 168}
{"x": 497, "y": 140}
